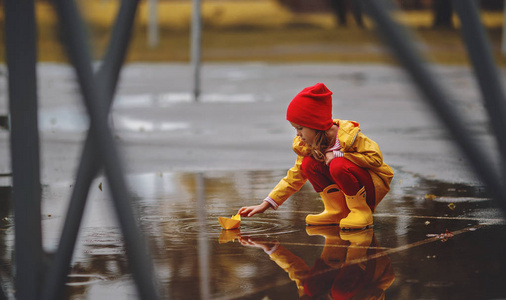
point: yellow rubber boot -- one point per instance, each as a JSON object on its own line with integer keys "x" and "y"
{"x": 335, "y": 207}
{"x": 360, "y": 215}
{"x": 334, "y": 251}
{"x": 360, "y": 241}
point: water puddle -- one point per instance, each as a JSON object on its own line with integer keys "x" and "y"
{"x": 75, "y": 118}
{"x": 84, "y": 279}
{"x": 274, "y": 255}
{"x": 72, "y": 119}
{"x": 168, "y": 99}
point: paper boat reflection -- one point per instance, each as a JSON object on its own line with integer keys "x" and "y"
{"x": 229, "y": 235}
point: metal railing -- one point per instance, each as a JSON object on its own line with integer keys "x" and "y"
{"x": 21, "y": 60}
{"x": 40, "y": 276}
{"x": 440, "y": 99}
{"x": 33, "y": 280}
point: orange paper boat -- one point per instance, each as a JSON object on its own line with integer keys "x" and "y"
{"x": 230, "y": 223}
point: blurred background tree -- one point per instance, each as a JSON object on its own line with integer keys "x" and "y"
{"x": 269, "y": 30}
{"x": 442, "y": 10}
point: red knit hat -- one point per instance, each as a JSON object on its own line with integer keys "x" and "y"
{"x": 312, "y": 108}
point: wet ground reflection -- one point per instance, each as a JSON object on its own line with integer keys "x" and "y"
{"x": 351, "y": 264}
{"x": 275, "y": 256}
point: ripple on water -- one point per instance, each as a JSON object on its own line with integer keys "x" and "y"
{"x": 103, "y": 242}
{"x": 460, "y": 199}
{"x": 181, "y": 230}
{"x": 84, "y": 279}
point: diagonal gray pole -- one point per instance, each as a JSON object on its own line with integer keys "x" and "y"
{"x": 21, "y": 62}
{"x": 95, "y": 95}
{"x": 429, "y": 87}
{"x": 485, "y": 69}
{"x": 196, "y": 47}
{"x": 90, "y": 164}
{"x": 503, "y": 42}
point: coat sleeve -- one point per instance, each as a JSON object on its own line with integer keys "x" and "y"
{"x": 364, "y": 152}
{"x": 290, "y": 184}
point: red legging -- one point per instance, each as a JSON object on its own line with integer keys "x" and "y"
{"x": 349, "y": 177}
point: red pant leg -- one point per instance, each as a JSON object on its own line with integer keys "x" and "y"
{"x": 351, "y": 178}
{"x": 317, "y": 173}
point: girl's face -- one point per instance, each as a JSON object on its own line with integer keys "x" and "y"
{"x": 305, "y": 133}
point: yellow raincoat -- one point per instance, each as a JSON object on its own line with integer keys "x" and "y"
{"x": 356, "y": 147}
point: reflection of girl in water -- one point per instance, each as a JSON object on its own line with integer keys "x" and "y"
{"x": 342, "y": 164}
{"x": 351, "y": 265}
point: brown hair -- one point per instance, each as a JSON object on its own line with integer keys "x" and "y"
{"x": 322, "y": 143}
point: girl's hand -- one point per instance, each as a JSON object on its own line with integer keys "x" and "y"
{"x": 249, "y": 211}
{"x": 329, "y": 156}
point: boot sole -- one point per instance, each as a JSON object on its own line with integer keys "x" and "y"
{"x": 356, "y": 229}
{"x": 323, "y": 224}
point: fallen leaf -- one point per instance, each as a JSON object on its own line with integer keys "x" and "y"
{"x": 451, "y": 206}
{"x": 430, "y": 196}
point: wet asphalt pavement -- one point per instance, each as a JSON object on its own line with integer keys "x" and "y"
{"x": 436, "y": 235}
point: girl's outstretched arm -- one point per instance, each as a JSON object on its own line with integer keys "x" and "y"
{"x": 249, "y": 211}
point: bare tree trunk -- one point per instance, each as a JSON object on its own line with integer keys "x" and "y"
{"x": 443, "y": 11}
{"x": 340, "y": 8}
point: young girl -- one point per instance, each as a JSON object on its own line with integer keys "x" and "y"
{"x": 344, "y": 166}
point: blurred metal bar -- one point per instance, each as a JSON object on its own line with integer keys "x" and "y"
{"x": 486, "y": 72}
{"x": 21, "y": 51}
{"x": 95, "y": 97}
{"x": 153, "y": 32}
{"x": 89, "y": 164}
{"x": 118, "y": 46}
{"x": 503, "y": 44}
{"x": 5, "y": 122}
{"x": 203, "y": 241}
{"x": 57, "y": 273}
{"x": 404, "y": 50}
{"x": 196, "y": 45}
